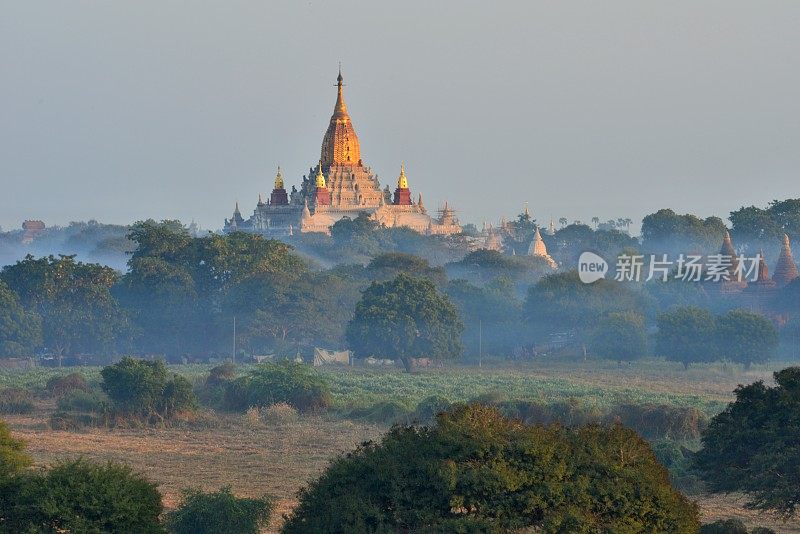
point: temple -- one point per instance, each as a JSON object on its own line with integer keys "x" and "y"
{"x": 340, "y": 185}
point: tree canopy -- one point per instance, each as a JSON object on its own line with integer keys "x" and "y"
{"x": 752, "y": 446}
{"x": 405, "y": 318}
{"x": 476, "y": 471}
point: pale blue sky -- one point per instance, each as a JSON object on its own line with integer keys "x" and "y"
{"x": 120, "y": 111}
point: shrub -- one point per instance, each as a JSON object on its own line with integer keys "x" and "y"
{"x": 13, "y": 457}
{"x": 252, "y": 416}
{"x": 16, "y": 401}
{"x": 294, "y": 383}
{"x": 655, "y": 422}
{"x": 221, "y": 374}
{"x": 141, "y": 388}
{"x": 727, "y": 526}
{"x": 429, "y": 407}
{"x": 58, "y": 386}
{"x": 81, "y": 496}
{"x": 477, "y": 471}
{"x": 220, "y": 511}
{"x": 679, "y": 461}
{"x": 280, "y": 414}
{"x": 79, "y": 400}
{"x": 384, "y": 412}
{"x": 135, "y": 386}
{"x": 178, "y": 396}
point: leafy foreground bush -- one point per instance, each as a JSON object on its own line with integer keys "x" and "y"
{"x": 752, "y": 446}
{"x": 477, "y": 471}
{"x": 294, "y": 383}
{"x": 221, "y": 511}
{"x": 80, "y": 496}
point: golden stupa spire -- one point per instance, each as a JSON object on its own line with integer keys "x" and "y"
{"x": 340, "y": 145}
{"x": 340, "y": 109}
{"x": 279, "y": 179}
{"x": 402, "y": 181}
{"x": 320, "y": 176}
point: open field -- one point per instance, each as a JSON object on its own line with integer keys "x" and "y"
{"x": 258, "y": 458}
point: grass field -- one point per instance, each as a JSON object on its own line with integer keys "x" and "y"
{"x": 258, "y": 458}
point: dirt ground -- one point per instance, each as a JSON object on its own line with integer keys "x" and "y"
{"x": 254, "y": 459}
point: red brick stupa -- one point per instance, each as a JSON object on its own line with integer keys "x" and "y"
{"x": 402, "y": 195}
{"x": 322, "y": 197}
{"x": 279, "y": 196}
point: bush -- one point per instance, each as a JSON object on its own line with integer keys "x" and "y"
{"x": 16, "y": 401}
{"x": 294, "y": 383}
{"x": 679, "y": 461}
{"x": 80, "y": 496}
{"x": 220, "y": 511}
{"x": 429, "y": 407}
{"x": 727, "y": 526}
{"x": 221, "y": 374}
{"x": 13, "y": 457}
{"x": 280, "y": 414}
{"x": 662, "y": 421}
{"x": 59, "y": 386}
{"x": 384, "y": 412}
{"x": 477, "y": 471}
{"x": 79, "y": 400}
{"x": 140, "y": 388}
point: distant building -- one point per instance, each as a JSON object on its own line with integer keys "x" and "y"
{"x": 32, "y": 231}
{"x": 339, "y": 186}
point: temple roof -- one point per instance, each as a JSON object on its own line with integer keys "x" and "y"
{"x": 340, "y": 145}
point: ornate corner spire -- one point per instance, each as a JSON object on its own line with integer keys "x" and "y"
{"x": 402, "y": 181}
{"x": 320, "y": 177}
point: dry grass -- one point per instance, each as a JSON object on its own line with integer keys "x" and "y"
{"x": 254, "y": 461}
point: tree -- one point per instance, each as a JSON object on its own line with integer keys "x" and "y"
{"x": 619, "y": 336}
{"x": 561, "y": 301}
{"x": 81, "y": 496}
{"x": 751, "y": 446}
{"x": 219, "y": 511}
{"x": 20, "y": 330}
{"x": 476, "y": 471}
{"x": 667, "y": 232}
{"x": 79, "y": 313}
{"x": 388, "y": 265}
{"x": 687, "y": 335}
{"x": 746, "y": 337}
{"x": 405, "y": 318}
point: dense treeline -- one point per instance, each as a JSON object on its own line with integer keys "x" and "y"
{"x": 181, "y": 294}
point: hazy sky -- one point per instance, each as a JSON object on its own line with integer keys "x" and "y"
{"x": 121, "y": 111}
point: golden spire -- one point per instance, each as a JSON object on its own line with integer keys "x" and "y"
{"x": 279, "y": 179}
{"x": 340, "y": 109}
{"x": 402, "y": 181}
{"x": 320, "y": 176}
{"x": 340, "y": 145}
